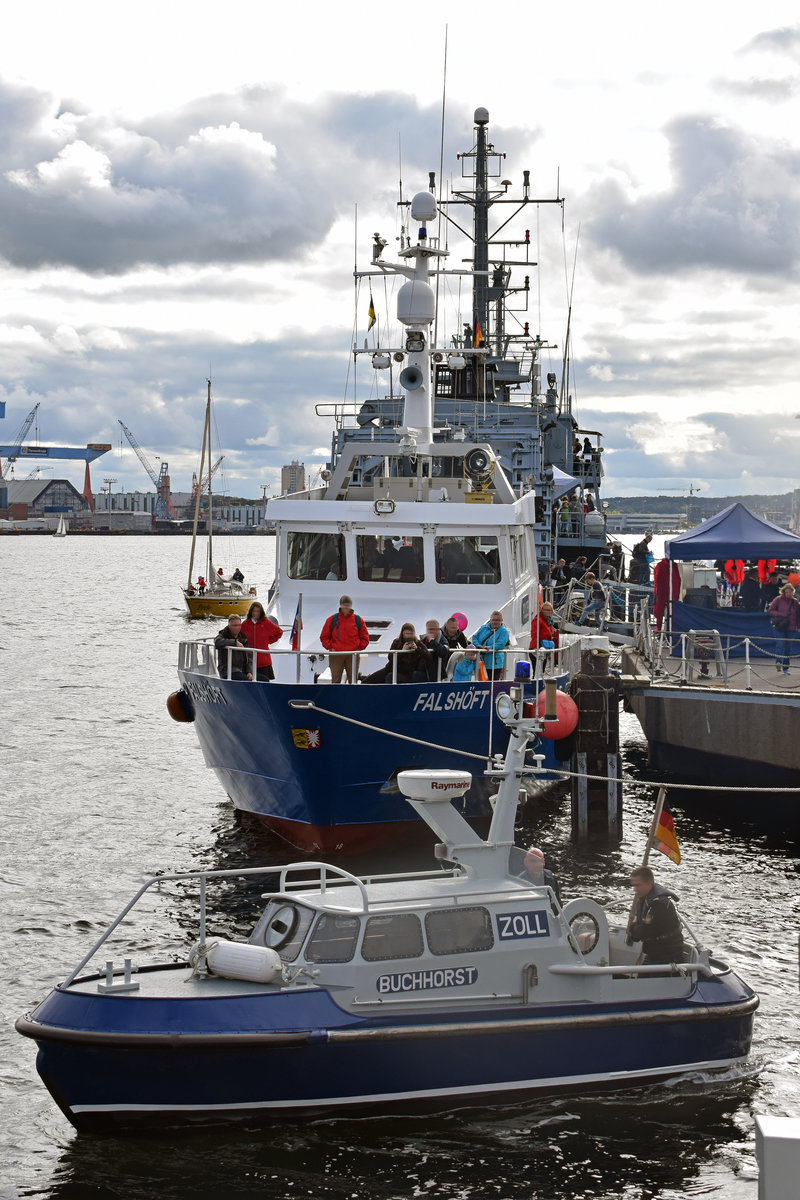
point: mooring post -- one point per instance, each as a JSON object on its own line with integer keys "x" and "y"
{"x": 596, "y": 803}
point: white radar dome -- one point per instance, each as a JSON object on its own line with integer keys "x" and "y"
{"x": 423, "y": 207}
{"x": 433, "y": 785}
{"x": 415, "y": 303}
{"x": 481, "y": 116}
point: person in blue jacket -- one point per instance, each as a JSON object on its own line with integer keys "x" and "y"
{"x": 462, "y": 665}
{"x": 495, "y": 637}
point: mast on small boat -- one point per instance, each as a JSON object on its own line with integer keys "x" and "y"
{"x": 198, "y": 497}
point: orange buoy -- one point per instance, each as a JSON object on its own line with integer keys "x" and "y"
{"x": 566, "y": 718}
{"x": 180, "y": 707}
{"x": 793, "y": 578}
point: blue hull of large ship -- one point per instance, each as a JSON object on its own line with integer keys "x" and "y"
{"x": 113, "y": 1063}
{"x": 328, "y": 785}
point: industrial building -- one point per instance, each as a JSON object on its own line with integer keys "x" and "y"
{"x": 32, "y": 499}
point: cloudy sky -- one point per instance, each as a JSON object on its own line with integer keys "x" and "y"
{"x": 179, "y": 182}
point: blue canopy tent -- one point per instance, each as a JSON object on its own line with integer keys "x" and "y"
{"x": 733, "y": 533}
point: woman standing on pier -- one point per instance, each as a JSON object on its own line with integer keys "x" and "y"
{"x": 783, "y": 613}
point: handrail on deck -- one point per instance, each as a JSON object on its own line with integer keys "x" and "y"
{"x": 201, "y": 656}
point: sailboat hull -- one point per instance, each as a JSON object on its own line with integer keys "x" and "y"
{"x": 221, "y": 605}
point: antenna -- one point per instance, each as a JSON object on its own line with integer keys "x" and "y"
{"x": 565, "y": 364}
{"x": 441, "y": 172}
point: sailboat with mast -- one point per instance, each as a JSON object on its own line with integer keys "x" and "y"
{"x": 212, "y": 594}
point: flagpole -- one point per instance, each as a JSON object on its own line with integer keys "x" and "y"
{"x": 651, "y": 837}
{"x": 299, "y": 619}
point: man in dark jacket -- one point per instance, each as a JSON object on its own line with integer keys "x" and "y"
{"x": 639, "y": 570}
{"x": 655, "y": 921}
{"x": 241, "y": 662}
{"x": 750, "y": 591}
{"x": 435, "y": 641}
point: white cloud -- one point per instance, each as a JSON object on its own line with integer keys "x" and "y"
{"x": 197, "y": 217}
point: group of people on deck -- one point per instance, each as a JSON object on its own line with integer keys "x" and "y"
{"x": 199, "y": 589}
{"x": 413, "y": 658}
{"x": 345, "y": 635}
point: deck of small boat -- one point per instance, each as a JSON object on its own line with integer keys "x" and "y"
{"x": 176, "y": 980}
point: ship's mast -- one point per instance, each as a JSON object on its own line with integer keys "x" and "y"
{"x": 480, "y": 287}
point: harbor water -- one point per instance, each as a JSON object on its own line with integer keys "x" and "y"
{"x": 102, "y": 789}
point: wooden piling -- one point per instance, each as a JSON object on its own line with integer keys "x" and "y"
{"x": 596, "y": 804}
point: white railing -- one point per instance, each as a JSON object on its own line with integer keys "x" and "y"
{"x": 200, "y": 657}
{"x": 708, "y": 653}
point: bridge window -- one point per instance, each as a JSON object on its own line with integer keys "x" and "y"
{"x": 467, "y": 559}
{"x": 395, "y": 936}
{"x": 333, "y": 939}
{"x": 316, "y": 556}
{"x": 391, "y": 560}
{"x": 459, "y": 930}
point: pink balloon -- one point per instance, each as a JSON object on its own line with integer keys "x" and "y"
{"x": 461, "y": 621}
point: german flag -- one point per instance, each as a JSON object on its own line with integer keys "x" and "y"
{"x": 371, "y": 313}
{"x": 666, "y": 840}
{"x": 477, "y": 339}
{"x": 297, "y": 625}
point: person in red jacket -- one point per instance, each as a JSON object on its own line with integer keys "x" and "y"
{"x": 543, "y": 630}
{"x": 261, "y": 632}
{"x": 343, "y": 634}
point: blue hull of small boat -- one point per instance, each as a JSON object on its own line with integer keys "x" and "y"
{"x": 328, "y": 785}
{"x": 122, "y": 1063}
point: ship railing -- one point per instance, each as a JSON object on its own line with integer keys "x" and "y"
{"x": 202, "y": 877}
{"x": 623, "y": 599}
{"x": 199, "y": 657}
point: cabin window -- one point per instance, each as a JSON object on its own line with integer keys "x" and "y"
{"x": 333, "y": 939}
{"x": 519, "y": 556}
{"x": 395, "y": 936}
{"x": 389, "y": 559}
{"x": 466, "y": 560}
{"x": 459, "y": 930}
{"x": 316, "y": 556}
{"x": 283, "y": 928}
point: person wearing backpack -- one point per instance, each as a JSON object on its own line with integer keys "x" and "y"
{"x": 343, "y": 634}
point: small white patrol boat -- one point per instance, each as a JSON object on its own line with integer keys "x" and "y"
{"x": 459, "y": 985}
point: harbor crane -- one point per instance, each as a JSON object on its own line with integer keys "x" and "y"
{"x": 164, "y": 510}
{"x": 691, "y": 490}
{"x": 20, "y": 436}
{"x": 16, "y": 450}
{"x": 206, "y": 478}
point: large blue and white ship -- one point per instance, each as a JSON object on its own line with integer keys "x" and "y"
{"x": 465, "y": 985}
{"x": 421, "y": 513}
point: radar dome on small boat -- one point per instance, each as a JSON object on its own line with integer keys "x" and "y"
{"x": 433, "y": 785}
